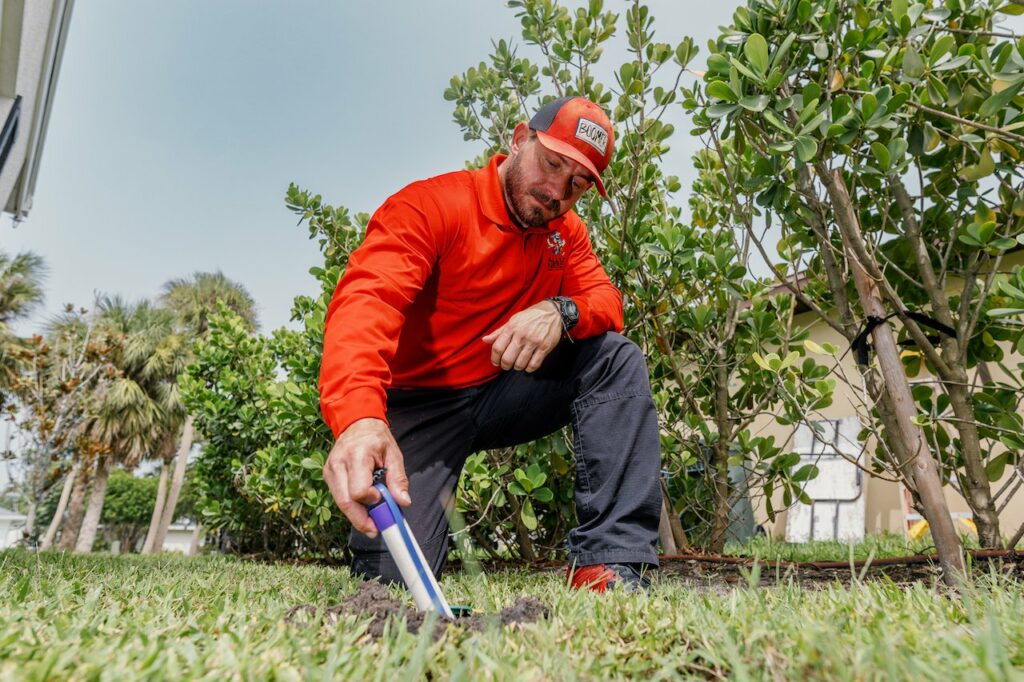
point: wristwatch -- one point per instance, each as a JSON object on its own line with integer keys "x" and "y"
{"x": 568, "y": 310}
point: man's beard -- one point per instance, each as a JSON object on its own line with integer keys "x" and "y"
{"x": 515, "y": 192}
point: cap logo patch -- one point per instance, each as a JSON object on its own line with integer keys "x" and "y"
{"x": 593, "y": 134}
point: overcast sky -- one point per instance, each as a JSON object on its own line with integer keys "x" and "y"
{"x": 177, "y": 126}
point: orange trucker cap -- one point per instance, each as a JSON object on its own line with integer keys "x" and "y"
{"x": 576, "y": 128}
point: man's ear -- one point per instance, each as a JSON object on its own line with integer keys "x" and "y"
{"x": 519, "y": 138}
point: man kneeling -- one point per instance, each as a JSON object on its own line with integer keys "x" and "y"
{"x": 475, "y": 315}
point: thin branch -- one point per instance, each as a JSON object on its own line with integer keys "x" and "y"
{"x": 952, "y": 117}
{"x": 783, "y": 279}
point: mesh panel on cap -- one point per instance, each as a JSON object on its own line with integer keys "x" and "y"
{"x": 545, "y": 116}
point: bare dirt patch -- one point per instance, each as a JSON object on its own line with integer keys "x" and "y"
{"x": 372, "y": 600}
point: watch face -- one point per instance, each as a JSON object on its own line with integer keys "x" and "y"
{"x": 570, "y": 313}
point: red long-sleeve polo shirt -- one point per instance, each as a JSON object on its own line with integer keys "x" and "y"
{"x": 441, "y": 266}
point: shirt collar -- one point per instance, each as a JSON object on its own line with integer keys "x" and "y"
{"x": 492, "y": 197}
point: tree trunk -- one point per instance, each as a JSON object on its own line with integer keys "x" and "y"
{"x": 158, "y": 508}
{"x": 65, "y": 493}
{"x": 678, "y": 534}
{"x": 954, "y": 378}
{"x": 76, "y": 510}
{"x": 197, "y": 535}
{"x": 1016, "y": 538}
{"x": 180, "y": 464}
{"x": 91, "y": 522}
{"x": 668, "y": 542}
{"x": 922, "y": 466}
{"x": 720, "y": 465}
{"x": 30, "y": 522}
{"x": 721, "y": 494}
{"x": 979, "y": 490}
{"x": 522, "y": 532}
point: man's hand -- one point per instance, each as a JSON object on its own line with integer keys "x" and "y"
{"x": 365, "y": 445}
{"x": 526, "y": 339}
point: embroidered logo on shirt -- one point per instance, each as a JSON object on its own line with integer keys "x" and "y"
{"x": 593, "y": 134}
{"x": 556, "y": 259}
{"x": 556, "y": 243}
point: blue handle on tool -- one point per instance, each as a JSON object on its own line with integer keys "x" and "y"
{"x": 380, "y": 520}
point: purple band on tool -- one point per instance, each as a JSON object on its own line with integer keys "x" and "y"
{"x": 382, "y": 517}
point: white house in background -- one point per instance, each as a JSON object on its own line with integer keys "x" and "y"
{"x": 179, "y": 538}
{"x": 32, "y": 38}
{"x": 11, "y": 524}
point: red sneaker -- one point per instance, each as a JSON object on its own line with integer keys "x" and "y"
{"x": 602, "y": 577}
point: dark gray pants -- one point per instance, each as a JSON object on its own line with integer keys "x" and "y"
{"x": 601, "y": 385}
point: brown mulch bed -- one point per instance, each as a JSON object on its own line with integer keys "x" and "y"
{"x": 709, "y": 570}
{"x": 900, "y": 570}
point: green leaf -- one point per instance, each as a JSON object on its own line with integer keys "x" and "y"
{"x": 881, "y": 153}
{"x": 835, "y": 130}
{"x": 805, "y": 473}
{"x": 868, "y": 105}
{"x": 985, "y": 167}
{"x": 524, "y": 480}
{"x": 997, "y": 102}
{"x": 1005, "y": 312}
{"x": 897, "y": 149}
{"x": 913, "y": 67}
{"x": 935, "y": 15}
{"x": 1011, "y": 290}
{"x": 756, "y": 50}
{"x": 742, "y": 68}
{"x": 722, "y": 109}
{"x": 899, "y": 9}
{"x": 954, "y": 63}
{"x": 803, "y": 11}
{"x": 811, "y": 92}
{"x": 543, "y": 495}
{"x": 783, "y": 49}
{"x": 790, "y": 358}
{"x": 721, "y": 90}
{"x": 756, "y": 357}
{"x": 862, "y": 17}
{"x": 754, "y": 102}
{"x": 529, "y": 518}
{"x": 994, "y": 468}
{"x": 986, "y": 230}
{"x": 943, "y": 46}
{"x": 815, "y": 348}
{"x": 813, "y": 124}
{"x": 806, "y": 148}
{"x": 776, "y": 121}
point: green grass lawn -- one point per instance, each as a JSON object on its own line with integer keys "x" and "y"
{"x": 873, "y": 547}
{"x": 215, "y": 618}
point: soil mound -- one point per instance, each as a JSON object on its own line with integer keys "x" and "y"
{"x": 372, "y": 600}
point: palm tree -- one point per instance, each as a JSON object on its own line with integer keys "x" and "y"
{"x": 21, "y": 291}
{"x": 142, "y": 405}
{"x": 193, "y": 300}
